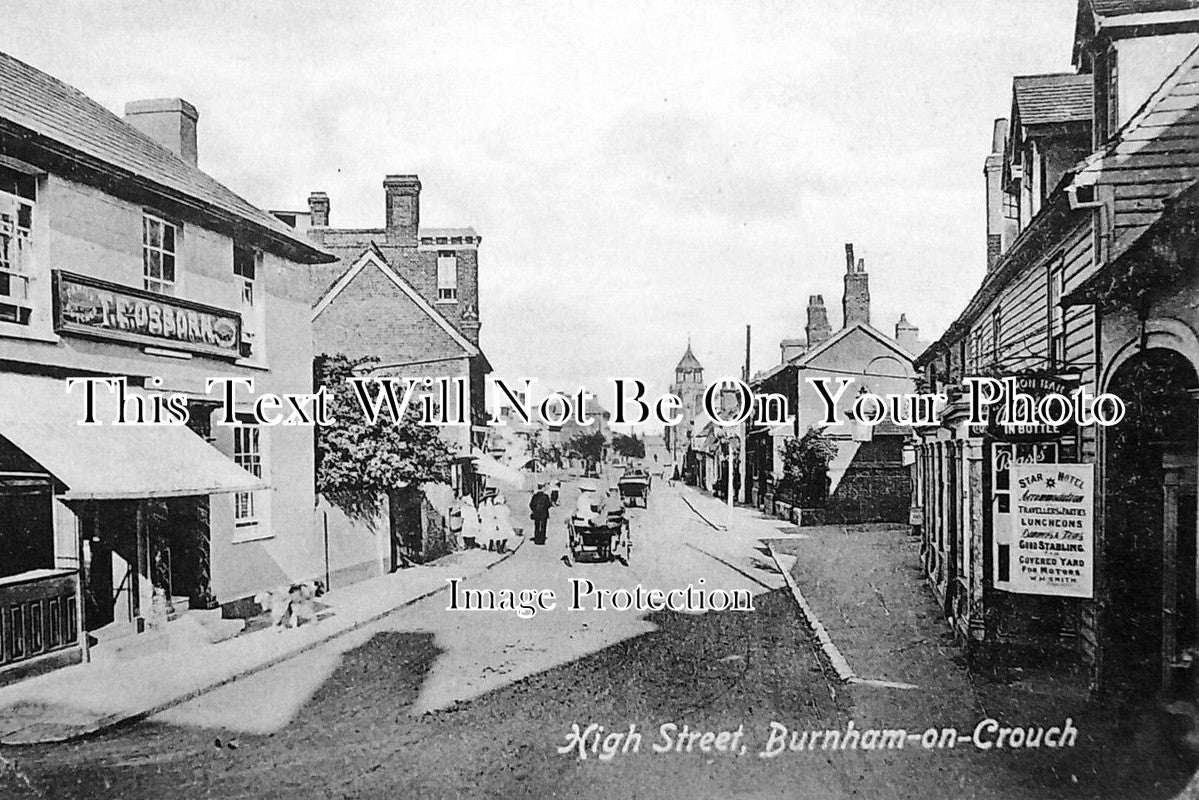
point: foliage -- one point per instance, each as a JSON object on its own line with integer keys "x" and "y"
{"x": 354, "y": 455}
{"x": 805, "y": 467}
{"x": 629, "y": 446}
{"x": 588, "y": 446}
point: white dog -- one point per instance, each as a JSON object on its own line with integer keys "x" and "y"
{"x": 289, "y": 604}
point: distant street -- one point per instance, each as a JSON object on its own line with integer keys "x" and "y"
{"x": 431, "y": 703}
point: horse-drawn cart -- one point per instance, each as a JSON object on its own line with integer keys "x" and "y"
{"x": 607, "y": 542}
{"x": 634, "y": 489}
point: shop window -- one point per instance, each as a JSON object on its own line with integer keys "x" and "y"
{"x": 160, "y": 241}
{"x": 447, "y": 276}
{"x": 17, "y": 201}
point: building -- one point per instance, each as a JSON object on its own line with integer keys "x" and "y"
{"x": 1090, "y": 285}
{"x": 120, "y": 258}
{"x": 407, "y": 296}
{"x": 866, "y": 480}
{"x": 689, "y": 387}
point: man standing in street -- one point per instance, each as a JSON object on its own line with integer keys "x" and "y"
{"x": 540, "y": 506}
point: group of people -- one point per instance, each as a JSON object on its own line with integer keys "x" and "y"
{"x": 487, "y": 525}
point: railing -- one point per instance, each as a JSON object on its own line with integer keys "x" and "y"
{"x": 39, "y": 614}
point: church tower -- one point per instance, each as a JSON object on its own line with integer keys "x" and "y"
{"x": 689, "y": 386}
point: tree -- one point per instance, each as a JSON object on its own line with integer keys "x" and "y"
{"x": 805, "y": 467}
{"x": 588, "y": 446}
{"x": 354, "y": 455}
{"x": 629, "y": 446}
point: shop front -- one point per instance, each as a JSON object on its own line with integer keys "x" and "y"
{"x": 100, "y": 525}
{"x": 1007, "y": 529}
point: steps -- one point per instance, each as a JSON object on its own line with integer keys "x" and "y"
{"x": 184, "y": 628}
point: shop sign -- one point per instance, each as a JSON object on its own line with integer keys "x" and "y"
{"x": 86, "y": 306}
{"x": 1035, "y": 387}
{"x": 1053, "y": 548}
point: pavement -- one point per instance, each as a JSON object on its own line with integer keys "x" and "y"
{"x": 447, "y": 705}
{"x": 83, "y": 699}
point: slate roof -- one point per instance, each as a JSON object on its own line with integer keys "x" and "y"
{"x": 44, "y": 105}
{"x": 1059, "y": 97}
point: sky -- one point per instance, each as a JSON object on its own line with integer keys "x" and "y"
{"x": 640, "y": 172}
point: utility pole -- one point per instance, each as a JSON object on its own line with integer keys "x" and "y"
{"x": 745, "y": 427}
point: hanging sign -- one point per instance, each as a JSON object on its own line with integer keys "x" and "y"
{"x": 1053, "y": 548}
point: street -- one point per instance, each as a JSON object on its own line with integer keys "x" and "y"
{"x": 437, "y": 703}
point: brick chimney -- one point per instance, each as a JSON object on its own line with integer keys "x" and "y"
{"x": 318, "y": 209}
{"x": 170, "y": 121}
{"x": 855, "y": 303}
{"x": 817, "y": 328}
{"x": 1000, "y": 230}
{"x": 791, "y": 348}
{"x": 907, "y": 335}
{"x": 402, "y": 193}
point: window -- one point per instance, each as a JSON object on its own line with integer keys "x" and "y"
{"x": 245, "y": 271}
{"x": 996, "y": 332}
{"x": 1057, "y": 314}
{"x": 447, "y": 276}
{"x": 17, "y": 197}
{"x": 247, "y": 455}
{"x": 159, "y": 241}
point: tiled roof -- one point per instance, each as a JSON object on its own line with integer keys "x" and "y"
{"x": 1060, "y": 97}
{"x": 1116, "y": 8}
{"x": 50, "y": 108}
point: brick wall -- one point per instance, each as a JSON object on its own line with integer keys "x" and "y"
{"x": 876, "y": 486}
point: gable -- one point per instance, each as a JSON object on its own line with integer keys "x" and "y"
{"x": 1152, "y": 159}
{"x": 370, "y": 310}
{"x": 857, "y": 343}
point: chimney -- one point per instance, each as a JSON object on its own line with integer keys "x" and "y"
{"x": 999, "y": 235}
{"x": 817, "y": 328}
{"x": 855, "y": 303}
{"x": 170, "y": 121}
{"x": 318, "y": 209}
{"x": 402, "y": 193}
{"x": 907, "y": 335}
{"x": 792, "y": 348}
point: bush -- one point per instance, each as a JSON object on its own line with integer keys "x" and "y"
{"x": 805, "y": 468}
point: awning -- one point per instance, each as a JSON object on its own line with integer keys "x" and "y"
{"x": 106, "y": 461}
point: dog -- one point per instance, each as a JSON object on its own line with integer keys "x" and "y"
{"x": 291, "y": 604}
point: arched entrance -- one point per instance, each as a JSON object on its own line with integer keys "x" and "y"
{"x": 1150, "y": 621}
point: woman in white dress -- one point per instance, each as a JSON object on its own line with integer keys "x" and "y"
{"x": 502, "y": 516}
{"x": 472, "y": 530}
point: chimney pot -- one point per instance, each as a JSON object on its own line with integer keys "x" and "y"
{"x": 318, "y": 209}
{"x": 855, "y": 302}
{"x": 907, "y": 335}
{"x": 818, "y": 328}
{"x": 170, "y": 121}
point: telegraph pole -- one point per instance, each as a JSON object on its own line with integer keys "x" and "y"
{"x": 745, "y": 427}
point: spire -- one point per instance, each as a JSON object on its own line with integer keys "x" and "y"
{"x": 688, "y": 361}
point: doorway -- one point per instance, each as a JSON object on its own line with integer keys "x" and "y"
{"x": 1149, "y": 620}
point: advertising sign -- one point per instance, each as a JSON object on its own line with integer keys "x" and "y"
{"x": 1034, "y": 387}
{"x": 1053, "y": 508}
{"x": 98, "y": 309}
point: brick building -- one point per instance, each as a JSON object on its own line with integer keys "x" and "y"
{"x": 866, "y": 480}
{"x": 408, "y": 296}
